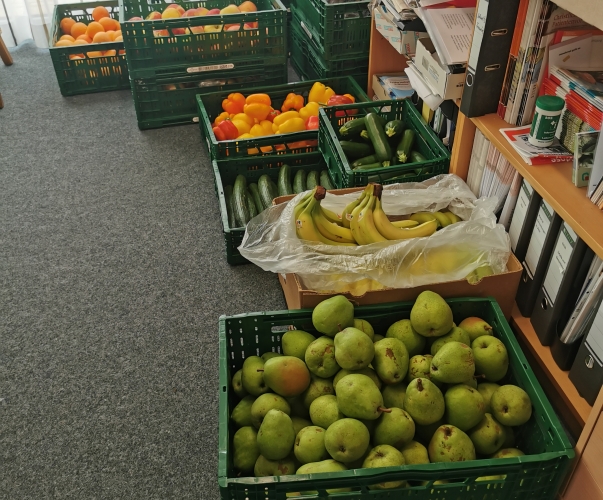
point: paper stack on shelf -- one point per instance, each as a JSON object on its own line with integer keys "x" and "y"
{"x": 509, "y": 207}
{"x": 477, "y": 163}
{"x": 533, "y": 155}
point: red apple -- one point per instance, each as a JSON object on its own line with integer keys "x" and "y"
{"x": 248, "y": 6}
{"x": 197, "y": 30}
{"x": 153, "y": 15}
{"x": 213, "y": 12}
{"x": 177, "y": 7}
{"x": 136, "y": 19}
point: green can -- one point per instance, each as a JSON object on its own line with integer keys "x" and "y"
{"x": 546, "y": 117}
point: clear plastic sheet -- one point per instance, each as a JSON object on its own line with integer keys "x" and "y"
{"x": 450, "y": 254}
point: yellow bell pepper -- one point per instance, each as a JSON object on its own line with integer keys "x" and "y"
{"x": 250, "y": 151}
{"x": 320, "y": 93}
{"x": 310, "y": 109}
{"x": 221, "y": 117}
{"x": 267, "y": 127}
{"x": 244, "y": 117}
{"x": 283, "y": 117}
{"x": 257, "y": 110}
{"x": 242, "y": 126}
{"x": 293, "y": 101}
{"x": 258, "y": 98}
{"x": 292, "y": 125}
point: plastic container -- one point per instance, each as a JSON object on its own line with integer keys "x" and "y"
{"x": 178, "y": 54}
{"x": 210, "y": 106}
{"x": 426, "y": 142}
{"x": 89, "y": 74}
{"x": 225, "y": 173}
{"x": 537, "y": 475}
{"x": 546, "y": 117}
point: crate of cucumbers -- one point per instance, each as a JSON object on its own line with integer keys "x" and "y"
{"x": 383, "y": 141}
{"x": 429, "y": 399}
{"x": 247, "y": 187}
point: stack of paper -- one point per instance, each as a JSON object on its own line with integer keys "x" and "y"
{"x": 477, "y": 163}
{"x": 595, "y": 185}
{"x": 533, "y": 155}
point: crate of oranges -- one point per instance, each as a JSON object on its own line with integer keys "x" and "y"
{"x": 87, "y": 48}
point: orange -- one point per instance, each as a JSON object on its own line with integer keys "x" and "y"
{"x": 67, "y": 37}
{"x": 96, "y": 53}
{"x": 111, "y": 34}
{"x": 66, "y": 24}
{"x": 101, "y": 37}
{"x": 118, "y": 39}
{"x": 63, "y": 43}
{"x": 86, "y": 38}
{"x": 118, "y": 33}
{"x": 76, "y": 56}
{"x": 94, "y": 28}
{"x": 109, "y": 53}
{"x": 99, "y": 12}
{"x": 109, "y": 24}
{"x": 80, "y": 41}
{"x": 78, "y": 29}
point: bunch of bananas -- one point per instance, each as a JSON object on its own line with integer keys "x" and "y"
{"x": 362, "y": 222}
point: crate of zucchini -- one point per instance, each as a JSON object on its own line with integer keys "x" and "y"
{"x": 247, "y": 187}
{"x": 382, "y": 141}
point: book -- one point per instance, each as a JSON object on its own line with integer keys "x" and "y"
{"x": 533, "y": 155}
{"x": 595, "y": 183}
{"x": 511, "y": 201}
{"x": 584, "y": 152}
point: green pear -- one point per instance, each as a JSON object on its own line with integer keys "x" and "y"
{"x": 369, "y": 372}
{"x": 246, "y": 451}
{"x": 509, "y": 441}
{"x": 324, "y": 411}
{"x": 295, "y": 343}
{"x": 456, "y": 334}
{"x": 320, "y": 357}
{"x": 276, "y": 435}
{"x": 475, "y": 327}
{"x": 328, "y": 465}
{"x": 395, "y": 428}
{"x": 508, "y": 453}
{"x": 404, "y": 332}
{"x": 419, "y": 366}
{"x": 264, "y": 403}
{"x": 384, "y": 456}
{"x": 471, "y": 382}
{"x": 464, "y": 406}
{"x": 430, "y": 315}
{"x": 358, "y": 397}
{"x": 347, "y": 439}
{"x": 450, "y": 444}
{"x": 318, "y": 387}
{"x": 414, "y": 453}
{"x": 241, "y": 414}
{"x": 298, "y": 408}
{"x": 237, "y": 384}
{"x": 299, "y": 424}
{"x": 333, "y": 315}
{"x": 393, "y": 396}
{"x": 486, "y": 389}
{"x": 487, "y": 436}
{"x": 377, "y": 338}
{"x": 424, "y": 402}
{"x": 424, "y": 433}
{"x": 269, "y": 355}
{"x": 310, "y": 445}
{"x": 491, "y": 357}
{"x": 391, "y": 360}
{"x": 288, "y": 376}
{"x": 364, "y": 326}
{"x": 452, "y": 364}
{"x": 253, "y": 376}
{"x": 265, "y": 468}
{"x": 354, "y": 350}
{"x": 511, "y": 405}
{"x": 357, "y": 464}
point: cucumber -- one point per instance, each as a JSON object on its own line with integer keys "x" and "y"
{"x": 312, "y": 180}
{"x": 365, "y": 161}
{"x": 267, "y": 190}
{"x": 355, "y": 150}
{"x": 405, "y": 145}
{"x": 239, "y": 201}
{"x": 253, "y": 211}
{"x": 368, "y": 166}
{"x": 378, "y": 137}
{"x": 255, "y": 194}
{"x": 228, "y": 196}
{"x": 415, "y": 156}
{"x": 299, "y": 181}
{"x": 325, "y": 180}
{"x": 284, "y": 181}
{"x": 352, "y": 128}
{"x": 393, "y": 128}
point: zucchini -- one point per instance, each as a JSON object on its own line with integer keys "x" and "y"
{"x": 405, "y": 145}
{"x": 284, "y": 181}
{"x": 352, "y": 128}
{"x": 255, "y": 194}
{"x": 228, "y": 197}
{"x": 239, "y": 201}
{"x": 312, "y": 180}
{"x": 393, "y": 128}
{"x": 299, "y": 181}
{"x": 415, "y": 156}
{"x": 368, "y": 166}
{"x": 365, "y": 161}
{"x": 253, "y": 211}
{"x": 378, "y": 137}
{"x": 325, "y": 180}
{"x": 267, "y": 190}
{"x": 355, "y": 150}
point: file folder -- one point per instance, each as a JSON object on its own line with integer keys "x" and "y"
{"x": 524, "y": 217}
{"x": 540, "y": 248}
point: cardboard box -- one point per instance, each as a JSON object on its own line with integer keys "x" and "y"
{"x": 405, "y": 42}
{"x": 381, "y": 94}
{"x": 445, "y": 81}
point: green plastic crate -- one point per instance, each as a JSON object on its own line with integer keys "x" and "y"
{"x": 426, "y": 142}
{"x": 225, "y": 173}
{"x": 180, "y": 54}
{"x": 310, "y": 65}
{"x": 210, "y": 106}
{"x": 335, "y": 30}
{"x": 160, "y": 102}
{"x": 537, "y": 475}
{"x": 88, "y": 75}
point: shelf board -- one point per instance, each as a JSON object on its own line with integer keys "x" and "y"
{"x": 554, "y": 183}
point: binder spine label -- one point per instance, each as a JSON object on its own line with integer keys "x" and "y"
{"x": 594, "y": 338}
{"x": 559, "y": 262}
{"x": 541, "y": 229}
{"x": 478, "y": 35}
{"x": 521, "y": 210}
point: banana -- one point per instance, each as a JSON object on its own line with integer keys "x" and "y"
{"x": 331, "y": 216}
{"x": 350, "y": 208}
{"x": 306, "y": 229}
{"x": 453, "y": 217}
{"x": 367, "y": 224}
{"x": 330, "y": 230}
{"x": 391, "y": 232}
{"x": 405, "y": 223}
{"x": 353, "y": 220}
{"x": 302, "y": 204}
{"x": 442, "y": 219}
{"x": 422, "y": 217}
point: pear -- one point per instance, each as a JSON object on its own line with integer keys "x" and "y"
{"x": 486, "y": 389}
{"x": 364, "y": 326}
{"x": 430, "y": 315}
{"x": 377, "y": 338}
{"x": 508, "y": 453}
{"x": 318, "y": 387}
{"x": 487, "y": 436}
{"x": 299, "y": 424}
{"x": 288, "y": 376}
{"x": 384, "y": 456}
{"x": 464, "y": 406}
{"x": 424, "y": 402}
{"x": 509, "y": 441}
{"x": 391, "y": 360}
{"x": 395, "y": 428}
{"x": 252, "y": 376}
{"x": 511, "y": 405}
{"x": 347, "y": 439}
{"x": 424, "y": 433}
{"x": 452, "y": 364}
{"x": 475, "y": 327}
{"x": 491, "y": 357}
{"x": 369, "y": 372}
{"x": 324, "y": 411}
{"x": 320, "y": 357}
{"x": 298, "y": 408}
{"x": 357, "y": 464}
{"x": 264, "y": 467}
{"x": 404, "y": 332}
{"x": 450, "y": 444}
{"x": 310, "y": 445}
{"x": 393, "y": 396}
{"x": 414, "y": 453}
{"x": 276, "y": 435}
{"x": 419, "y": 366}
{"x": 471, "y": 382}
{"x": 269, "y": 355}
{"x": 246, "y": 450}
{"x": 333, "y": 315}
{"x": 354, "y": 350}
{"x": 296, "y": 342}
{"x": 264, "y": 403}
{"x": 328, "y": 465}
{"x": 237, "y": 384}
{"x": 358, "y": 397}
{"x": 241, "y": 414}
{"x": 456, "y": 334}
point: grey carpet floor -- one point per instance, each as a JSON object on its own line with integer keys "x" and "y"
{"x": 112, "y": 279}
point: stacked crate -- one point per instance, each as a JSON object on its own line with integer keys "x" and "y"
{"x": 170, "y": 61}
